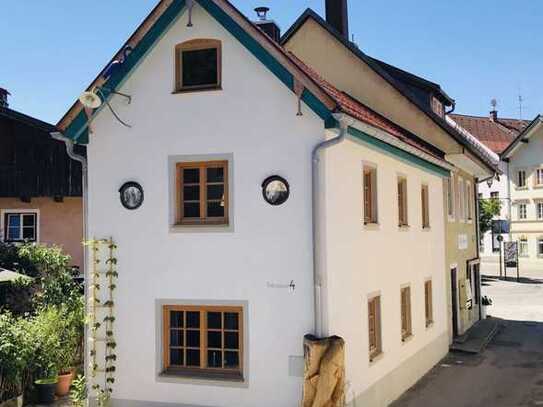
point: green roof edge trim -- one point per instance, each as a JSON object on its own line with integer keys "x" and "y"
{"x": 78, "y": 129}
{"x": 398, "y": 153}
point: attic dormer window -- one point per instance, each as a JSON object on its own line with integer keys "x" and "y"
{"x": 198, "y": 65}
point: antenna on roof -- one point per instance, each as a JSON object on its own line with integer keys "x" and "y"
{"x": 494, "y": 104}
{"x": 520, "y": 101}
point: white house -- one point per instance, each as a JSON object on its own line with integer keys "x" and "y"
{"x": 517, "y": 145}
{"x": 524, "y": 161}
{"x": 274, "y": 206}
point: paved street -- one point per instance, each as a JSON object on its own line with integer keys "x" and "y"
{"x": 510, "y": 372}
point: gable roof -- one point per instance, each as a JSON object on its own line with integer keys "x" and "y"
{"x": 495, "y": 134}
{"x": 320, "y": 96}
{"x": 402, "y": 88}
{"x": 417, "y": 81}
{"x": 6, "y": 112}
{"x": 74, "y": 123}
{"x": 354, "y": 108}
{"x": 523, "y": 135}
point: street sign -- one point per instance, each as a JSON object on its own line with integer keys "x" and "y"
{"x": 510, "y": 253}
{"x": 500, "y": 226}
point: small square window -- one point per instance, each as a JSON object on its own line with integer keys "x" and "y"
{"x": 198, "y": 65}
{"x": 19, "y": 227}
{"x": 202, "y": 190}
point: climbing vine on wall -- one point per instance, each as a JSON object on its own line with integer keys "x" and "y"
{"x": 101, "y": 318}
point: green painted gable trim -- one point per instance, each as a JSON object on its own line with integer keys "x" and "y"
{"x": 79, "y": 125}
{"x": 398, "y": 153}
{"x": 77, "y": 130}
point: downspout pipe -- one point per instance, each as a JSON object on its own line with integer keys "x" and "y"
{"x": 84, "y": 170}
{"x": 318, "y": 265}
{"x": 83, "y": 160}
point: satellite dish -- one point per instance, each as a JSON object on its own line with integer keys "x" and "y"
{"x": 90, "y": 100}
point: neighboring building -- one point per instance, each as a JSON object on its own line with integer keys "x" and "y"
{"x": 419, "y": 106}
{"x": 224, "y": 285}
{"x": 40, "y": 186}
{"x": 497, "y": 134}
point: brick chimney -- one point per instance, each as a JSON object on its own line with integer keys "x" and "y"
{"x": 4, "y": 97}
{"x": 338, "y": 17}
{"x": 268, "y": 26}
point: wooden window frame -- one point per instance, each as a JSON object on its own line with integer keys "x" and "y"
{"x": 450, "y": 198}
{"x": 203, "y": 219}
{"x": 375, "y": 343}
{"x": 405, "y": 312}
{"x": 428, "y": 303}
{"x": 197, "y": 45}
{"x": 469, "y": 201}
{"x": 6, "y": 215}
{"x": 425, "y": 206}
{"x": 539, "y": 247}
{"x": 461, "y": 200}
{"x": 231, "y": 374}
{"x": 403, "y": 210}
{"x": 370, "y": 195}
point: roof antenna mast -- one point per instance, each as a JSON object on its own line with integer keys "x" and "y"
{"x": 520, "y": 101}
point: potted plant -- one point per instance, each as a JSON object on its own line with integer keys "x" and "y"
{"x": 45, "y": 389}
{"x": 70, "y": 342}
{"x": 46, "y": 328}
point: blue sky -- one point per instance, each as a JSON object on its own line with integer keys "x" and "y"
{"x": 477, "y": 50}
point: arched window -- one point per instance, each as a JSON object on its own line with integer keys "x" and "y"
{"x": 198, "y": 65}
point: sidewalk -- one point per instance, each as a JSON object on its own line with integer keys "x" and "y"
{"x": 477, "y": 337}
{"x": 510, "y": 372}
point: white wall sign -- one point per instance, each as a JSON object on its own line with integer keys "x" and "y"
{"x": 462, "y": 242}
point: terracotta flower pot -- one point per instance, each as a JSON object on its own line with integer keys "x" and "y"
{"x": 64, "y": 383}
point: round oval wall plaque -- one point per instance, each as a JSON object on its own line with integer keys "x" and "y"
{"x": 275, "y": 190}
{"x": 131, "y": 195}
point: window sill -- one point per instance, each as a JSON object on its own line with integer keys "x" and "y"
{"x": 183, "y": 375}
{"x": 521, "y": 188}
{"x": 200, "y": 89}
{"x": 426, "y": 228}
{"x": 376, "y": 358}
{"x": 403, "y": 227}
{"x": 202, "y": 228}
{"x": 372, "y": 226}
{"x": 407, "y": 339}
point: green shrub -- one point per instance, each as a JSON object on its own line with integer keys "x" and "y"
{"x": 53, "y": 282}
{"x": 15, "y": 353}
{"x": 78, "y": 392}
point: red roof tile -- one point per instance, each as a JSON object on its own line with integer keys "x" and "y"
{"x": 349, "y": 105}
{"x": 496, "y": 135}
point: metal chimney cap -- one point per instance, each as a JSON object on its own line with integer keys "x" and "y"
{"x": 261, "y": 12}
